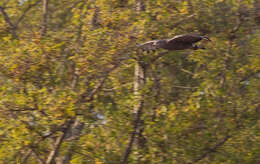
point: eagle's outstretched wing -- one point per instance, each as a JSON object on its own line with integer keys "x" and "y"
{"x": 152, "y": 45}
{"x": 186, "y": 39}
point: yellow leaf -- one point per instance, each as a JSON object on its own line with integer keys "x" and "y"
{"x": 98, "y": 162}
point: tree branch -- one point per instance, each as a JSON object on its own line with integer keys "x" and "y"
{"x": 25, "y": 11}
{"x": 213, "y": 149}
{"x": 138, "y": 108}
{"x": 249, "y": 76}
{"x": 133, "y": 135}
{"x": 86, "y": 97}
{"x": 44, "y": 17}
{"x": 13, "y": 26}
{"x": 30, "y": 151}
{"x": 32, "y": 147}
{"x": 139, "y": 82}
{"x": 57, "y": 144}
{"x": 9, "y": 22}
{"x": 27, "y": 155}
{"x": 37, "y": 156}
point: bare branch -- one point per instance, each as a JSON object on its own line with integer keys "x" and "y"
{"x": 27, "y": 155}
{"x": 25, "y": 11}
{"x": 37, "y": 156}
{"x": 139, "y": 83}
{"x": 44, "y": 17}
{"x": 133, "y": 135}
{"x": 86, "y": 97}
{"x": 187, "y": 71}
{"x": 213, "y": 149}
{"x": 6, "y": 17}
{"x": 30, "y": 151}
{"x": 35, "y": 145}
{"x": 253, "y": 74}
{"x": 95, "y": 18}
{"x": 13, "y": 26}
{"x": 57, "y": 144}
{"x": 183, "y": 87}
{"x": 9, "y": 22}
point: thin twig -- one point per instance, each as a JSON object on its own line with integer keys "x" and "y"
{"x": 88, "y": 96}
{"x": 182, "y": 21}
{"x": 183, "y": 87}
{"x": 213, "y": 149}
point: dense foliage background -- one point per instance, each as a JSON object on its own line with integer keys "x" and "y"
{"x": 67, "y": 82}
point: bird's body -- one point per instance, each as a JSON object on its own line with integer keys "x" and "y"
{"x": 179, "y": 42}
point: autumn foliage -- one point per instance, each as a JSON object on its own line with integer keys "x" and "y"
{"x": 67, "y": 74}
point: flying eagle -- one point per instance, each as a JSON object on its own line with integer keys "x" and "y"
{"x": 179, "y": 42}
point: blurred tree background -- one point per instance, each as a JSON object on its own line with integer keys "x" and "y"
{"x": 67, "y": 74}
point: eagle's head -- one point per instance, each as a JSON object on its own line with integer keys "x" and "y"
{"x": 206, "y": 38}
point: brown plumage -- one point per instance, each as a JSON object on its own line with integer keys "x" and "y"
{"x": 179, "y": 42}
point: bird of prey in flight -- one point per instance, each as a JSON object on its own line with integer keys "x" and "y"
{"x": 179, "y": 42}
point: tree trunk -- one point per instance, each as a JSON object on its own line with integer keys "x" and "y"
{"x": 257, "y": 11}
{"x": 44, "y": 17}
{"x": 139, "y": 83}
